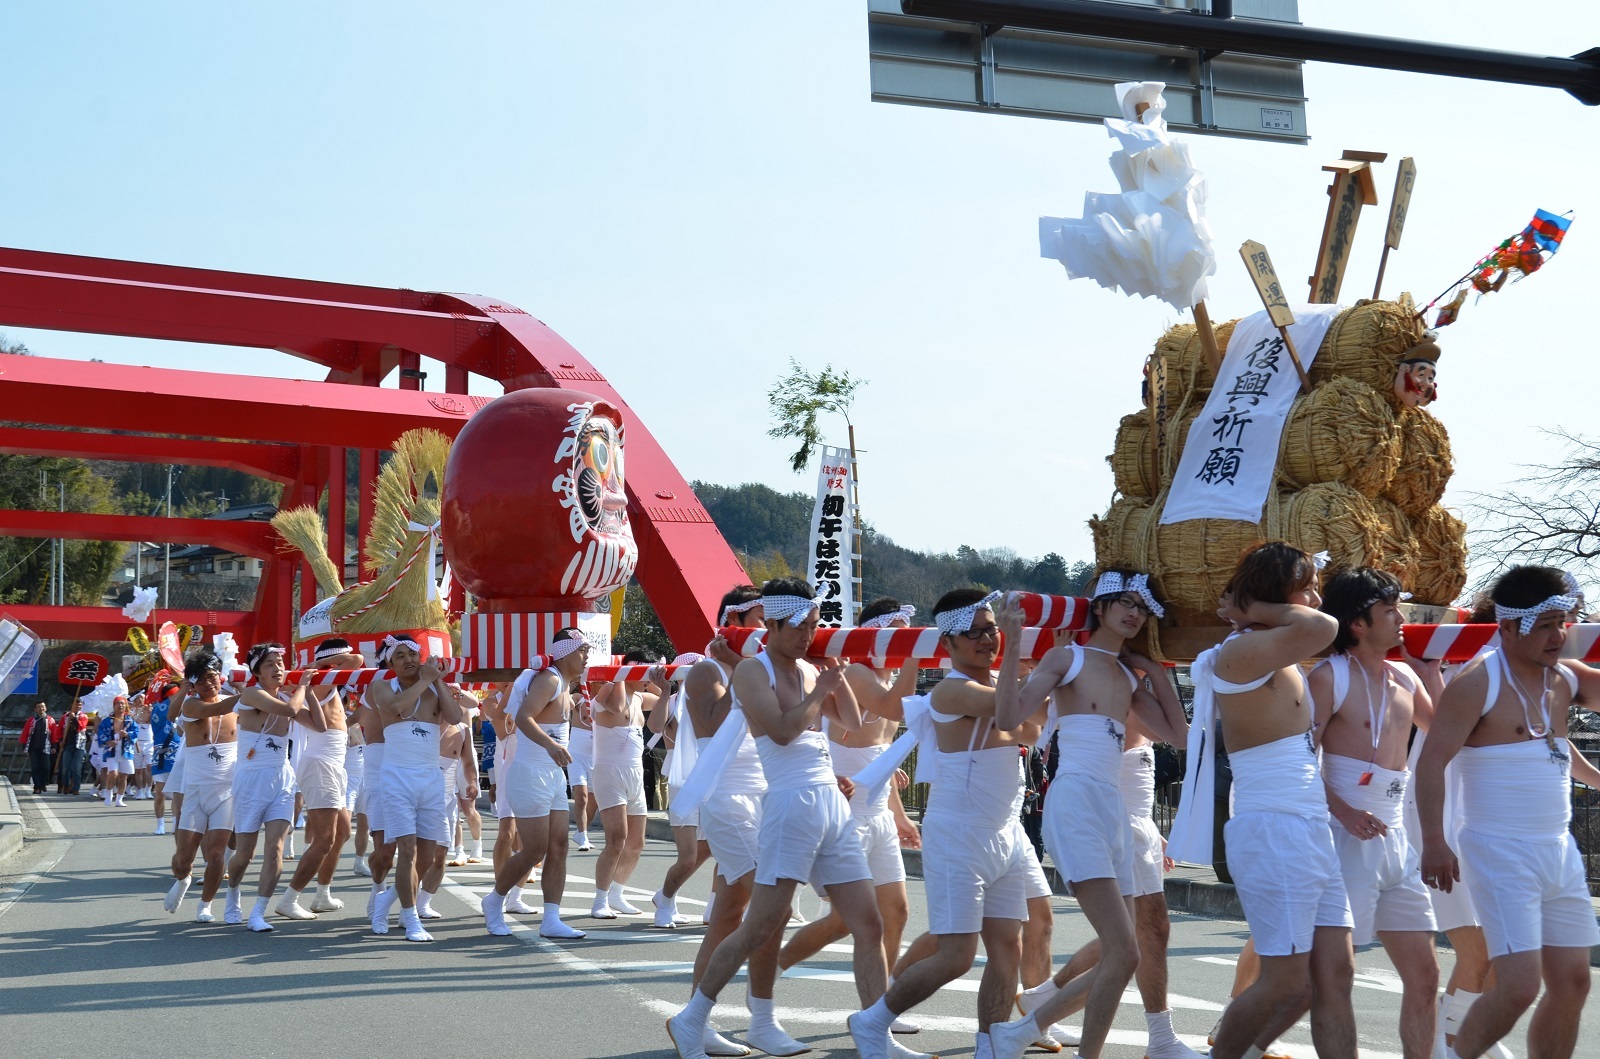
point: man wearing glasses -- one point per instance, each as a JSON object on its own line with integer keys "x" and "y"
{"x": 1091, "y": 689}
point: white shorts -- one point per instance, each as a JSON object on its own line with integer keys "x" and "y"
{"x": 323, "y": 784}
{"x": 413, "y": 804}
{"x": 1287, "y": 875}
{"x": 207, "y": 807}
{"x": 731, "y": 826}
{"x": 1528, "y": 894}
{"x": 533, "y": 790}
{"x": 1038, "y": 884}
{"x": 618, "y": 785}
{"x": 880, "y": 841}
{"x": 677, "y": 819}
{"x": 352, "y": 791}
{"x": 142, "y": 756}
{"x": 1149, "y": 856}
{"x": 259, "y": 796}
{"x": 972, "y": 872}
{"x": 807, "y": 835}
{"x": 1383, "y": 881}
{"x": 122, "y": 766}
{"x": 580, "y": 744}
{"x": 1086, "y": 830}
{"x": 174, "y": 784}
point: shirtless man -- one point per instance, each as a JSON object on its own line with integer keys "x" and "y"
{"x": 324, "y": 785}
{"x": 263, "y": 783}
{"x": 730, "y": 822}
{"x": 1090, "y": 691}
{"x": 533, "y": 782}
{"x": 355, "y": 771}
{"x": 458, "y": 764}
{"x": 381, "y": 859}
{"x": 669, "y": 722}
{"x": 878, "y": 815}
{"x": 506, "y": 842}
{"x": 618, "y": 779}
{"x": 1504, "y": 720}
{"x": 806, "y": 831}
{"x": 1365, "y": 707}
{"x": 209, "y": 732}
{"x": 580, "y": 745}
{"x": 411, "y": 705}
{"x": 974, "y": 855}
{"x": 1280, "y": 848}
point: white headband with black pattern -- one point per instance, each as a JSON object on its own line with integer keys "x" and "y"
{"x": 562, "y": 648}
{"x": 390, "y": 642}
{"x": 883, "y": 621}
{"x": 960, "y": 619}
{"x": 1112, "y": 583}
{"x": 737, "y": 608}
{"x": 1529, "y": 615}
{"x": 793, "y": 609}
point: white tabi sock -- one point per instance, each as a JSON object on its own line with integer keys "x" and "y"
{"x": 260, "y": 907}
{"x": 878, "y": 1018}
{"x": 1254, "y": 1052}
{"x": 1455, "y": 1008}
{"x": 424, "y": 902}
{"x": 760, "y": 1010}
{"x": 698, "y": 1010}
{"x": 1160, "y": 1024}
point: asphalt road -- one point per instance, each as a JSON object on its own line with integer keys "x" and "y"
{"x": 93, "y": 966}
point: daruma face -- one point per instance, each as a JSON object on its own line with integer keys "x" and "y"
{"x": 534, "y": 502}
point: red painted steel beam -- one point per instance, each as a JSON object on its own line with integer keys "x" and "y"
{"x": 120, "y": 396}
{"x": 257, "y": 539}
{"x": 108, "y": 623}
{"x": 685, "y": 565}
{"x": 279, "y": 463}
{"x": 324, "y": 331}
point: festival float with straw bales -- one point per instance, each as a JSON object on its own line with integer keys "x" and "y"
{"x": 1305, "y": 423}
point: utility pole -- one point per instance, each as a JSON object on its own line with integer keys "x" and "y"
{"x": 166, "y": 576}
{"x": 61, "y": 581}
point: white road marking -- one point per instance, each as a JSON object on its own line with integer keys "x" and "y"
{"x": 12, "y": 892}
{"x": 1221, "y": 961}
{"x": 51, "y": 821}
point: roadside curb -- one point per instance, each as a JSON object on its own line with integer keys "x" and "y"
{"x": 10, "y": 820}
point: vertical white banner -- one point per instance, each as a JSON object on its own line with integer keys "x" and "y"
{"x": 831, "y": 553}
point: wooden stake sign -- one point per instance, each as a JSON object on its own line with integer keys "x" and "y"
{"x": 1265, "y": 277}
{"x": 1353, "y": 187}
{"x": 1404, "y": 181}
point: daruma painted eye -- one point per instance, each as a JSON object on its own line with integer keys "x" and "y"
{"x": 599, "y": 455}
{"x": 590, "y": 486}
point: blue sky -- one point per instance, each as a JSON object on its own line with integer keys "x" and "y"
{"x": 693, "y": 193}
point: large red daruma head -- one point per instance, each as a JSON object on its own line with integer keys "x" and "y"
{"x": 534, "y": 513}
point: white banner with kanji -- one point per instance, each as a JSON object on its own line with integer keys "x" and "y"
{"x": 1231, "y": 452}
{"x": 832, "y": 553}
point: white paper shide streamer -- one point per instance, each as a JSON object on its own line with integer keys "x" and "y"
{"x": 1151, "y": 238}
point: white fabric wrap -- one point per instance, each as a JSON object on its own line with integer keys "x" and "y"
{"x": 919, "y": 732}
{"x": 1192, "y": 829}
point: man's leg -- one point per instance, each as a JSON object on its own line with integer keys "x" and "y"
{"x": 581, "y": 813}
{"x": 1333, "y": 1018}
{"x": 614, "y": 821}
{"x": 1111, "y": 916}
{"x": 320, "y": 829}
{"x": 997, "y": 989}
{"x": 810, "y": 939}
{"x": 553, "y": 880}
{"x": 271, "y": 871}
{"x": 1265, "y": 1008}
{"x": 407, "y": 850}
{"x": 330, "y": 860}
{"x": 1411, "y": 952}
{"x": 244, "y": 850}
{"x": 214, "y": 848}
{"x": 188, "y": 845}
{"x": 768, "y": 912}
{"x": 1553, "y": 1031}
{"x": 1154, "y": 928}
{"x": 692, "y": 852}
{"x": 1516, "y": 985}
{"x": 1036, "y": 933}
{"x": 857, "y": 905}
{"x": 432, "y": 877}
{"x": 532, "y": 834}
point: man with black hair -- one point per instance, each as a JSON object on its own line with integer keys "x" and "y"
{"x": 323, "y": 782}
{"x": 618, "y": 782}
{"x": 1092, "y": 691}
{"x": 1504, "y": 720}
{"x": 263, "y": 782}
{"x": 205, "y": 818}
{"x": 533, "y": 782}
{"x": 806, "y": 831}
{"x": 878, "y": 814}
{"x": 1364, "y": 708}
{"x": 729, "y": 821}
{"x": 411, "y": 705}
